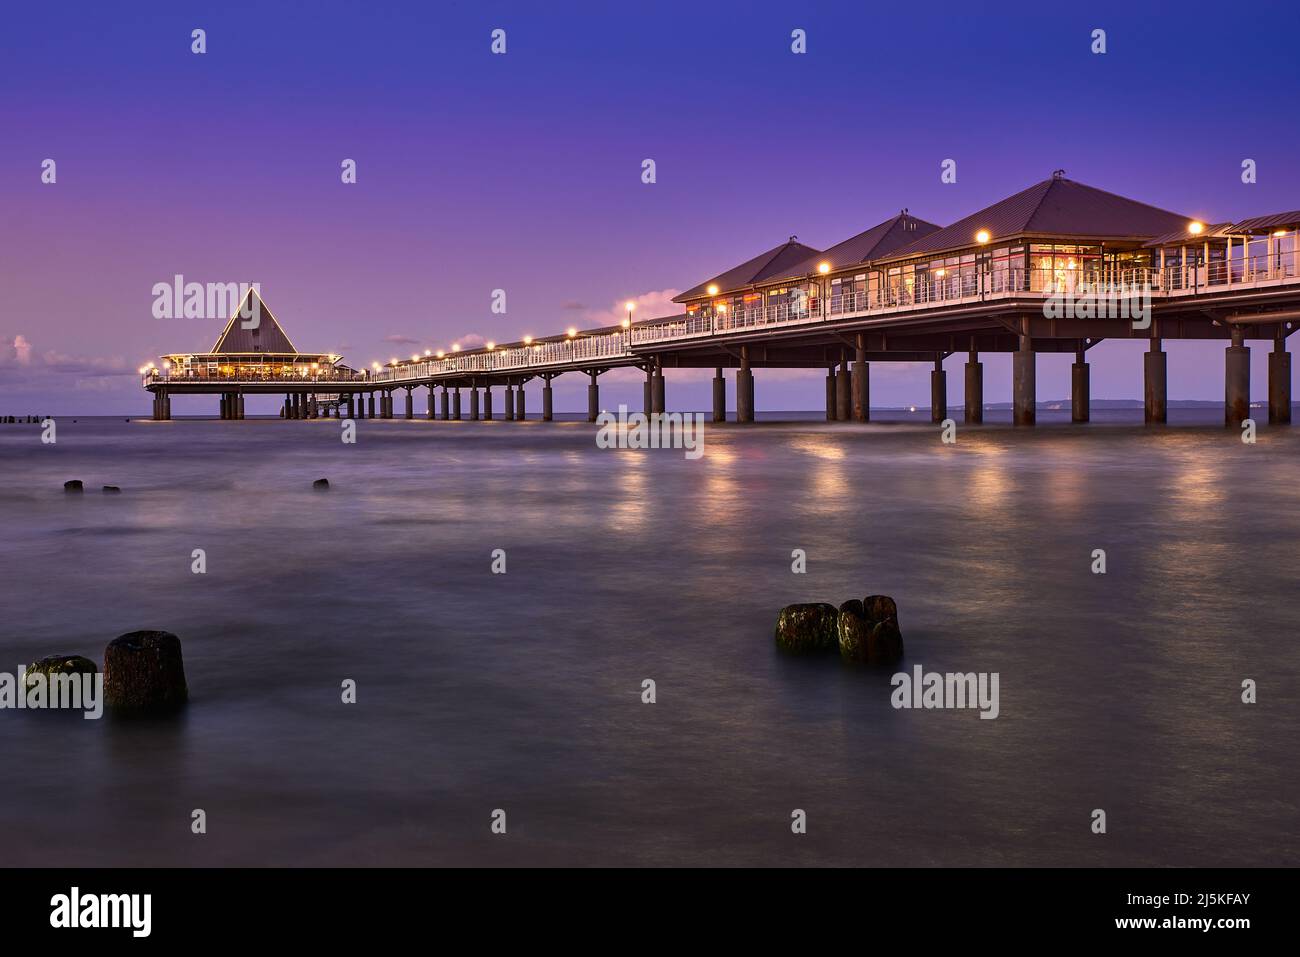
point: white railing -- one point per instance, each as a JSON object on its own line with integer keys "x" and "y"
{"x": 895, "y": 296}
{"x": 924, "y": 291}
{"x": 540, "y": 355}
{"x": 181, "y": 375}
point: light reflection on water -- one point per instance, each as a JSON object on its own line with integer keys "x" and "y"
{"x": 523, "y": 690}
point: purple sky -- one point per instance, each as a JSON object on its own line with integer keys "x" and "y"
{"x": 522, "y": 171}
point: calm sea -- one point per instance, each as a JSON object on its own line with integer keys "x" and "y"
{"x": 522, "y": 691}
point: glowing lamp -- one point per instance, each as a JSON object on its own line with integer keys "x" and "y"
{"x": 982, "y": 236}
{"x": 823, "y": 268}
{"x": 712, "y": 290}
{"x": 1196, "y": 228}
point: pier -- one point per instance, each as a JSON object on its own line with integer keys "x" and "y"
{"x": 1057, "y": 268}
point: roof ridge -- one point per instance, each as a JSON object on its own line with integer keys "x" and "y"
{"x": 239, "y": 309}
{"x": 776, "y": 251}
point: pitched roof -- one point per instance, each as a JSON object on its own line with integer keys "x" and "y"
{"x": 1054, "y": 207}
{"x": 1180, "y": 236}
{"x": 1261, "y": 224}
{"x": 776, "y": 263}
{"x": 875, "y": 243}
{"x": 265, "y": 336}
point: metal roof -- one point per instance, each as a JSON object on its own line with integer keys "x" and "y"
{"x": 1054, "y": 207}
{"x": 1265, "y": 223}
{"x": 875, "y": 243}
{"x": 1181, "y": 237}
{"x": 267, "y": 336}
{"x": 776, "y": 263}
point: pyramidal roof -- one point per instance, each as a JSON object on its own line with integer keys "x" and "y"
{"x": 778, "y": 262}
{"x": 265, "y": 336}
{"x": 1058, "y": 207}
{"x": 874, "y": 243}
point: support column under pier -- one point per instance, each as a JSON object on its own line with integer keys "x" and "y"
{"x": 239, "y": 408}
{"x": 974, "y": 388}
{"x": 1155, "y": 390}
{"x": 658, "y": 390}
{"x": 444, "y": 405}
{"x": 1279, "y": 383}
{"x": 744, "y": 388}
{"x": 546, "y": 401}
{"x": 410, "y": 403}
{"x": 520, "y": 414}
{"x": 648, "y": 391}
{"x": 830, "y": 394}
{"x": 1080, "y": 388}
{"x": 593, "y": 397}
{"x": 861, "y": 384}
{"x": 510, "y": 403}
{"x": 719, "y": 396}
{"x": 487, "y": 403}
{"x": 843, "y": 393}
{"x": 473, "y": 403}
{"x": 938, "y": 393}
{"x": 1024, "y": 388}
{"x": 1236, "y": 381}
{"x": 370, "y": 412}
{"x": 455, "y": 404}
{"x": 432, "y": 411}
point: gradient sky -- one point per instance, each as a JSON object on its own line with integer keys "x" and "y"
{"x": 522, "y": 171}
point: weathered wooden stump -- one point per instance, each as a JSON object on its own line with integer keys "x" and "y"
{"x": 143, "y": 671}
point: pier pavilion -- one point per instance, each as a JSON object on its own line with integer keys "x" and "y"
{"x": 1057, "y": 267}
{"x": 253, "y": 354}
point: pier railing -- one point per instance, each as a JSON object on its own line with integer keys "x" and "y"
{"x": 919, "y": 292}
{"x": 182, "y": 375}
{"x": 924, "y": 292}
{"x": 536, "y": 356}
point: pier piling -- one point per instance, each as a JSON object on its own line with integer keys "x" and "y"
{"x": 843, "y": 392}
{"x": 974, "y": 388}
{"x": 1155, "y": 385}
{"x": 861, "y": 382}
{"x": 1023, "y": 385}
{"x": 1236, "y": 381}
{"x": 938, "y": 392}
{"x": 1279, "y": 382}
{"x": 719, "y": 396}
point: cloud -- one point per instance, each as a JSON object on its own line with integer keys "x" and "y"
{"x": 18, "y": 355}
{"x": 22, "y": 350}
{"x": 573, "y": 306}
{"x": 403, "y": 340}
{"x": 648, "y": 305}
{"x": 472, "y": 341}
